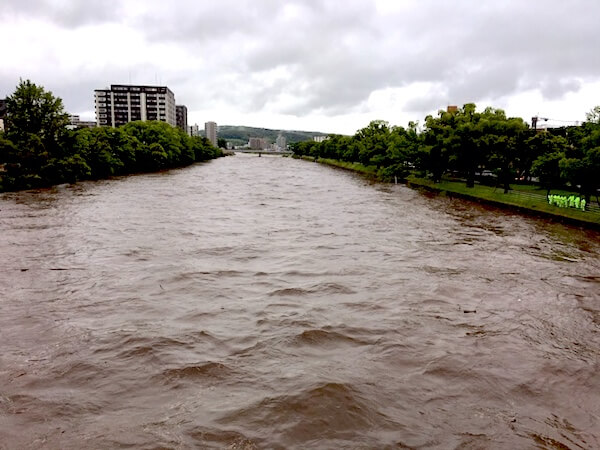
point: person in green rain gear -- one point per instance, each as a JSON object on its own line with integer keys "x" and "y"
{"x": 577, "y": 202}
{"x": 583, "y": 204}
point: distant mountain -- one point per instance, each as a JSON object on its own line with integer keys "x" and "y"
{"x": 239, "y": 135}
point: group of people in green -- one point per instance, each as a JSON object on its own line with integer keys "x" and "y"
{"x": 562, "y": 201}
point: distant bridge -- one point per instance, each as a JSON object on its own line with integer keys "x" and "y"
{"x": 264, "y": 152}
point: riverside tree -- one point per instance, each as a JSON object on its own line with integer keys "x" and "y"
{"x": 36, "y": 126}
{"x": 33, "y": 111}
{"x": 581, "y": 164}
{"x": 38, "y": 150}
{"x": 466, "y": 143}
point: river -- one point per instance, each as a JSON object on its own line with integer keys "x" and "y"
{"x": 251, "y": 303}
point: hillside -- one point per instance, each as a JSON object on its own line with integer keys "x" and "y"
{"x": 239, "y": 135}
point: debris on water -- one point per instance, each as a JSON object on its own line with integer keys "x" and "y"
{"x": 469, "y": 311}
{"x": 24, "y": 270}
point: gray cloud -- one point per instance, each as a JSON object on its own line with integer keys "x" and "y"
{"x": 301, "y": 57}
{"x": 70, "y": 14}
{"x": 553, "y": 89}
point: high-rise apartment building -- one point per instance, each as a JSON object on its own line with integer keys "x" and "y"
{"x": 256, "y": 143}
{"x": 281, "y": 143}
{"x": 181, "y": 117}
{"x": 123, "y": 103}
{"x": 210, "y": 128}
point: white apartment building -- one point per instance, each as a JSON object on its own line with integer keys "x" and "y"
{"x": 210, "y": 128}
{"x": 256, "y": 143}
{"x": 123, "y": 103}
{"x": 280, "y": 143}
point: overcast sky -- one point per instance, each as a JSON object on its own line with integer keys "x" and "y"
{"x": 320, "y": 65}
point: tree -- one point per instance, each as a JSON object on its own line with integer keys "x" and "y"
{"x": 547, "y": 168}
{"x": 548, "y": 150}
{"x": 374, "y": 140}
{"x": 36, "y": 126}
{"x": 33, "y": 111}
{"x": 9, "y": 160}
{"x": 502, "y": 139}
{"x": 593, "y": 116}
{"x": 436, "y": 138}
{"x": 581, "y": 164}
{"x": 465, "y": 151}
{"x": 400, "y": 152}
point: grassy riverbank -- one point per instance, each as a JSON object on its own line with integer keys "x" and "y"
{"x": 529, "y": 199}
{"x": 368, "y": 171}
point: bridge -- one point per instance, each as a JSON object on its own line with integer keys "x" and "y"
{"x": 264, "y": 152}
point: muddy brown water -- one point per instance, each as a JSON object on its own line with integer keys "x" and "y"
{"x": 274, "y": 303}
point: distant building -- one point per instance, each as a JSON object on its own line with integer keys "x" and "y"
{"x": 256, "y": 143}
{"x": 280, "y": 143}
{"x": 320, "y": 138}
{"x": 210, "y": 128}
{"x": 75, "y": 122}
{"x": 181, "y": 117}
{"x": 452, "y": 108}
{"x": 123, "y": 103}
{"x": 193, "y": 130}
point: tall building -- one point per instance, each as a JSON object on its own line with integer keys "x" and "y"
{"x": 256, "y": 143}
{"x": 281, "y": 143}
{"x": 193, "y": 130}
{"x": 210, "y": 128}
{"x": 181, "y": 116}
{"x": 123, "y": 103}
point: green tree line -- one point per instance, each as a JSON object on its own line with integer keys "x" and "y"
{"x": 486, "y": 146}
{"x": 37, "y": 149}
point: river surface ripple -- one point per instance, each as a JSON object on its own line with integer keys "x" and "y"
{"x": 275, "y": 303}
